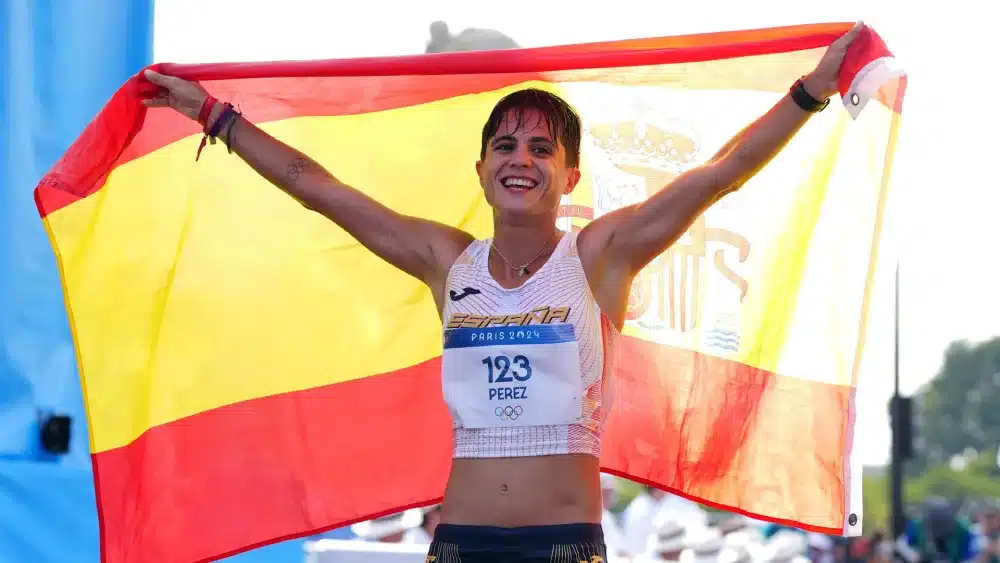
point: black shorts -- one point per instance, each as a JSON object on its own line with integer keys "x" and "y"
{"x": 563, "y": 543}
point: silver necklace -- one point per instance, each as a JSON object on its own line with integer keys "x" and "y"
{"x": 523, "y": 270}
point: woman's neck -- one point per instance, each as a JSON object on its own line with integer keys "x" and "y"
{"x": 526, "y": 246}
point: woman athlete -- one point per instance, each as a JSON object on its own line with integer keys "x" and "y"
{"x": 531, "y": 313}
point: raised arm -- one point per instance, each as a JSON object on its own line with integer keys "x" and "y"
{"x": 629, "y": 238}
{"x": 421, "y": 248}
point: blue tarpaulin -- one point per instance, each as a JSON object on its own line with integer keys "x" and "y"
{"x": 62, "y": 60}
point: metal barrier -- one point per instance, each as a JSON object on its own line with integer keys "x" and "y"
{"x": 354, "y": 551}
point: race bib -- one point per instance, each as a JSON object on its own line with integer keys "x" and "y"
{"x": 512, "y": 376}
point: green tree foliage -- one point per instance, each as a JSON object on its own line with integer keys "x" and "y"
{"x": 957, "y": 432}
{"x": 875, "y": 502}
{"x": 976, "y": 481}
{"x": 958, "y": 412}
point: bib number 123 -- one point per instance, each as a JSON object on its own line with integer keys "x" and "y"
{"x": 503, "y": 369}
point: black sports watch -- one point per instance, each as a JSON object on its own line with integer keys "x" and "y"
{"x": 805, "y": 100}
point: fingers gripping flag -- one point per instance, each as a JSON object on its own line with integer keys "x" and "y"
{"x": 244, "y": 361}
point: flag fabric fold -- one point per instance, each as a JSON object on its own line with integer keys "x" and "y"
{"x": 251, "y": 373}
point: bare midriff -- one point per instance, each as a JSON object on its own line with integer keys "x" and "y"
{"x": 523, "y": 491}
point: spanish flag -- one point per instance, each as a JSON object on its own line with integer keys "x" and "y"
{"x": 251, "y": 373}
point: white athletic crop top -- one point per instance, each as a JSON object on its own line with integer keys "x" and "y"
{"x": 523, "y": 370}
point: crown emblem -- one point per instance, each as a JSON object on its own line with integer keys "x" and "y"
{"x": 648, "y": 143}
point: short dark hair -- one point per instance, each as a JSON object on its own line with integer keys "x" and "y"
{"x": 564, "y": 122}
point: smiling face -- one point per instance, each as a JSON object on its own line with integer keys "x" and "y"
{"x": 530, "y": 155}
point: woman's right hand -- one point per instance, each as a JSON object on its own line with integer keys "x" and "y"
{"x": 176, "y": 93}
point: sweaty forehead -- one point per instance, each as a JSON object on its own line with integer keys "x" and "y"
{"x": 527, "y": 122}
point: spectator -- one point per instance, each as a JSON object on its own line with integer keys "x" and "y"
{"x": 637, "y": 519}
{"x": 613, "y": 538}
{"x": 424, "y": 533}
{"x": 938, "y": 535}
{"x": 388, "y": 529}
{"x": 988, "y": 540}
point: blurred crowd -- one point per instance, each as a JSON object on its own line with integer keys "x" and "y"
{"x": 659, "y": 527}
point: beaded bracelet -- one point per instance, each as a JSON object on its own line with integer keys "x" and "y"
{"x": 225, "y": 121}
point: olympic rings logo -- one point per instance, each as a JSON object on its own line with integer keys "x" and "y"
{"x": 509, "y": 412}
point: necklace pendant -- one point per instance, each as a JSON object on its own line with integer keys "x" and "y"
{"x": 523, "y": 271}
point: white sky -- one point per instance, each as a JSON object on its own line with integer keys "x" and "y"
{"x": 945, "y": 187}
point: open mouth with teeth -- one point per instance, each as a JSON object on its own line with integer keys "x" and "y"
{"x": 519, "y": 184}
